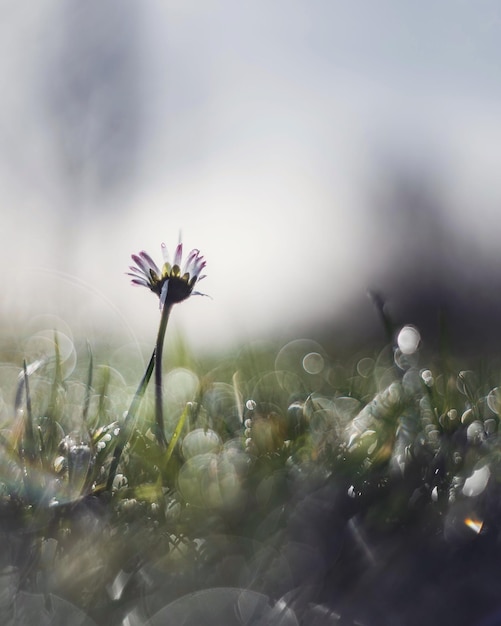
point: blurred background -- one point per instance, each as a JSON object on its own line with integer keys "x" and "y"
{"x": 311, "y": 150}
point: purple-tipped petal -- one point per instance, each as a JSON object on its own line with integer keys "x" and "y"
{"x": 139, "y": 281}
{"x": 136, "y": 271}
{"x": 150, "y": 261}
{"x": 199, "y": 266}
{"x": 189, "y": 261}
{"x": 178, "y": 255}
{"x": 141, "y": 263}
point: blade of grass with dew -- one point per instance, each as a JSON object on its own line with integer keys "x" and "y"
{"x": 88, "y": 386}
{"x": 49, "y": 428}
{"x": 30, "y": 369}
{"x": 57, "y": 378}
{"x": 102, "y": 393}
{"x": 27, "y": 452}
{"x": 126, "y": 428}
{"x": 29, "y": 435}
{"x": 177, "y": 432}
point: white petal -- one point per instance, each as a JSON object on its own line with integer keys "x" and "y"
{"x": 165, "y": 253}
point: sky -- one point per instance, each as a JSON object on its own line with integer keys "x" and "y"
{"x": 310, "y": 150}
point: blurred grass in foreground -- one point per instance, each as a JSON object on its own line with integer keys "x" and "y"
{"x": 296, "y": 489}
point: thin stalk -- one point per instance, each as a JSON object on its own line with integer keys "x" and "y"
{"x": 58, "y": 377}
{"x": 159, "y": 411}
{"x": 88, "y": 387}
{"x": 131, "y": 413}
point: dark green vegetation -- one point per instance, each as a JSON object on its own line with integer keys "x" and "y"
{"x": 294, "y": 489}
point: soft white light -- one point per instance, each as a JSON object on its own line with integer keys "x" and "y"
{"x": 408, "y": 339}
{"x": 477, "y": 482}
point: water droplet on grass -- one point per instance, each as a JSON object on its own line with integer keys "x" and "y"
{"x": 490, "y": 426}
{"x": 494, "y": 400}
{"x": 477, "y": 482}
{"x": 427, "y": 377}
{"x": 408, "y": 339}
{"x": 475, "y": 433}
{"x": 120, "y": 482}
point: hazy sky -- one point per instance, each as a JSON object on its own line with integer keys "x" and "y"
{"x": 270, "y": 132}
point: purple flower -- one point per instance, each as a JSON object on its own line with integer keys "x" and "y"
{"x": 173, "y": 282}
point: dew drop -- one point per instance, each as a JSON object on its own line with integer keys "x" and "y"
{"x": 408, "y": 339}
{"x": 119, "y": 482}
{"x": 477, "y": 482}
{"x": 494, "y": 400}
{"x": 427, "y": 377}
{"x": 475, "y": 433}
{"x": 490, "y": 426}
{"x": 467, "y": 416}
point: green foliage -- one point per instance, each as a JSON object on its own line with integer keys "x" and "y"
{"x": 118, "y": 525}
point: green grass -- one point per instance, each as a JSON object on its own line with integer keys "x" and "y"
{"x": 308, "y": 485}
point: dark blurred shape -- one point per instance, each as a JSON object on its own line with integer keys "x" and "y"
{"x": 435, "y": 278}
{"x": 440, "y": 280}
{"x": 92, "y": 94}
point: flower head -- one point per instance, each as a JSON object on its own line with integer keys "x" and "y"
{"x": 172, "y": 283}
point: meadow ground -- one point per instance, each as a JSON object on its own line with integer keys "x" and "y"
{"x": 287, "y": 488}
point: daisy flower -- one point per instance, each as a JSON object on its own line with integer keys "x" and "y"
{"x": 175, "y": 281}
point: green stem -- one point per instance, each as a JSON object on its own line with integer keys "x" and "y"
{"x": 159, "y": 411}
